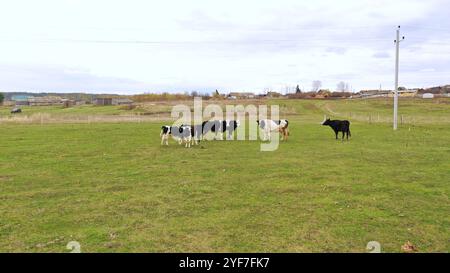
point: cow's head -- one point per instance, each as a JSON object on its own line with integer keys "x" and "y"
{"x": 326, "y": 122}
{"x": 261, "y": 123}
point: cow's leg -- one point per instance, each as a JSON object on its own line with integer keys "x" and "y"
{"x": 165, "y": 140}
{"x": 336, "y": 132}
{"x": 343, "y": 133}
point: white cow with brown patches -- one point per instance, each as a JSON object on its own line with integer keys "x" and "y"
{"x": 268, "y": 126}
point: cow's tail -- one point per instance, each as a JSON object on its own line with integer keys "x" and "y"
{"x": 350, "y": 134}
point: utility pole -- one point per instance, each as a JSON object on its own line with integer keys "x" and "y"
{"x": 397, "y": 52}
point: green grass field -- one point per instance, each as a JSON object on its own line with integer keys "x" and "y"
{"x": 113, "y": 188}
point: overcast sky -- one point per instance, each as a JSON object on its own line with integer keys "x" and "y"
{"x": 138, "y": 46}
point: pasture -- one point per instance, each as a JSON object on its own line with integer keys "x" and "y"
{"x": 113, "y": 188}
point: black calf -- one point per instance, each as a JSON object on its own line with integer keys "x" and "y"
{"x": 339, "y": 126}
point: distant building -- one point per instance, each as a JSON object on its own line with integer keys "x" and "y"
{"x": 103, "y": 101}
{"x": 374, "y": 93}
{"x": 45, "y": 101}
{"x": 121, "y": 101}
{"x": 405, "y": 93}
{"x": 241, "y": 95}
{"x": 427, "y": 96}
{"x": 9, "y": 103}
{"x": 438, "y": 90}
{"x": 68, "y": 103}
{"x": 272, "y": 94}
{"x": 20, "y": 99}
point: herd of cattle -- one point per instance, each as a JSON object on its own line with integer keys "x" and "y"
{"x": 192, "y": 134}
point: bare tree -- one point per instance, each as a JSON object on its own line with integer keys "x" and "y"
{"x": 316, "y": 85}
{"x": 340, "y": 86}
{"x": 343, "y": 86}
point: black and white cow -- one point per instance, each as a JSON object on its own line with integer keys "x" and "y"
{"x": 181, "y": 134}
{"x": 338, "y": 126}
{"x": 220, "y": 126}
{"x": 16, "y": 110}
{"x": 268, "y": 126}
{"x": 185, "y": 135}
{"x": 166, "y": 132}
{"x": 196, "y": 133}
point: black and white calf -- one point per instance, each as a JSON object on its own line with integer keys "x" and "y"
{"x": 181, "y": 134}
{"x": 185, "y": 135}
{"x": 268, "y": 126}
{"x": 166, "y": 132}
{"x": 196, "y": 133}
{"x": 339, "y": 126}
{"x": 220, "y": 126}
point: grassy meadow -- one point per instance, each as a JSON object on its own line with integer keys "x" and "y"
{"x": 113, "y": 188}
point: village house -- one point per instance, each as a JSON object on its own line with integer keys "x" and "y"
{"x": 20, "y": 99}
{"x": 112, "y": 101}
{"x": 121, "y": 101}
{"x": 45, "y": 101}
{"x": 102, "y": 101}
{"x": 241, "y": 95}
{"x": 374, "y": 93}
